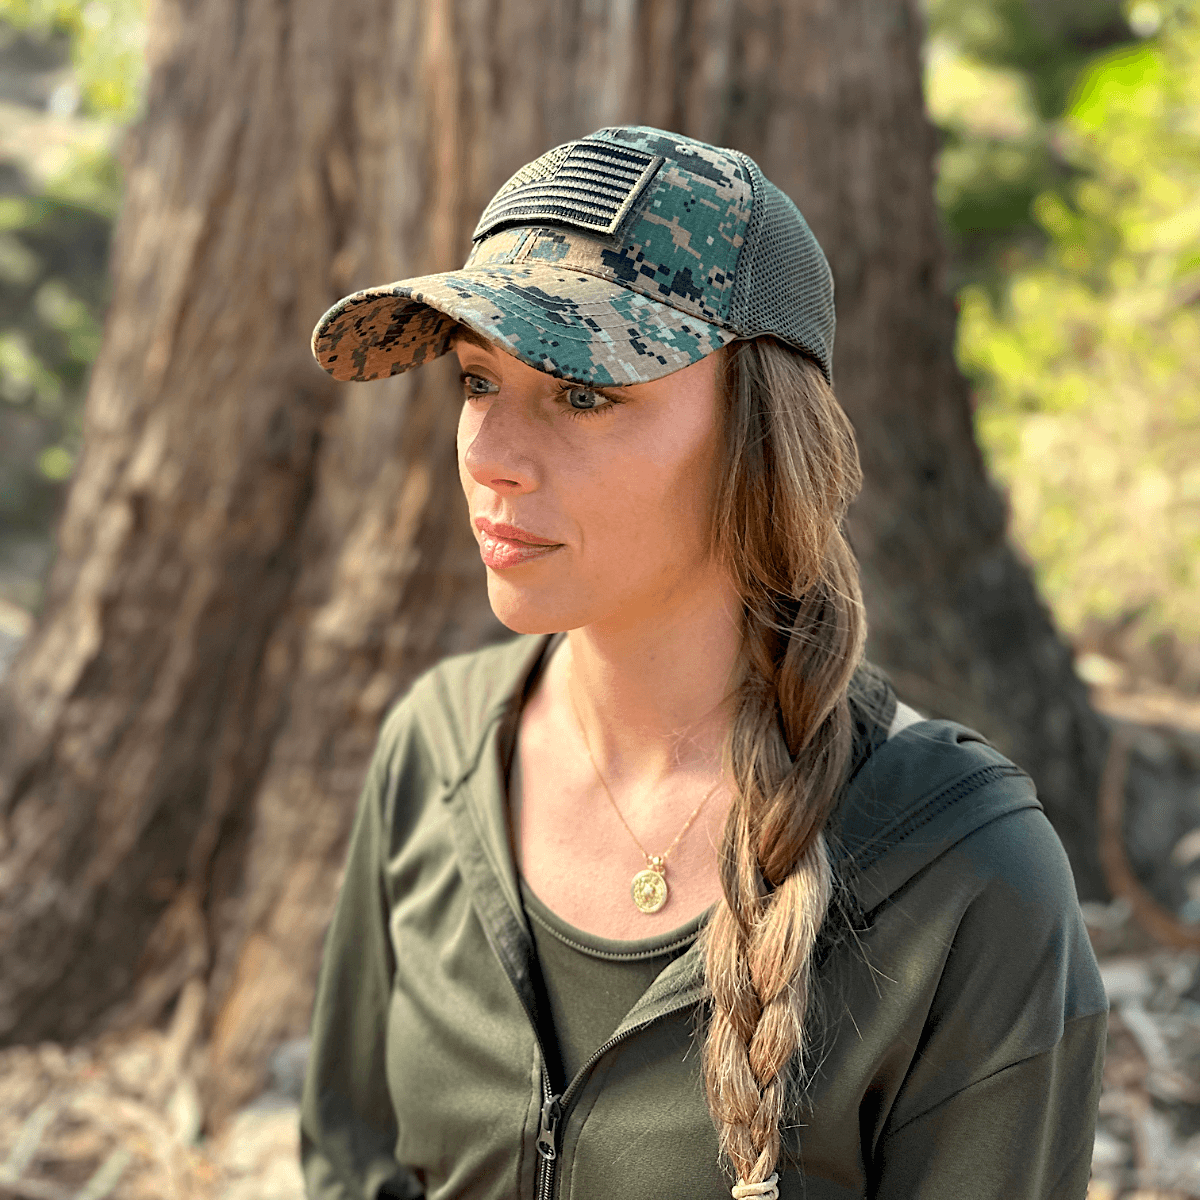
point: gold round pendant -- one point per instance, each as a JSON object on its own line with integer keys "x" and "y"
{"x": 649, "y": 890}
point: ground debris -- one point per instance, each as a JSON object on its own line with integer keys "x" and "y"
{"x": 69, "y": 1116}
{"x": 91, "y": 1124}
{"x": 1148, "y": 1130}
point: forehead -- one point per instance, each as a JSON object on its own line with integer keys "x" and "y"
{"x": 464, "y": 334}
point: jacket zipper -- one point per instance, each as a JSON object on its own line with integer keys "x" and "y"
{"x": 550, "y": 1119}
{"x": 554, "y": 1106}
{"x": 547, "y": 1143}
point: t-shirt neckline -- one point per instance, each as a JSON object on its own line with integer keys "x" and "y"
{"x": 611, "y": 949}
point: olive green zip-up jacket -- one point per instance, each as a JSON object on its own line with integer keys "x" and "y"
{"x": 958, "y": 1017}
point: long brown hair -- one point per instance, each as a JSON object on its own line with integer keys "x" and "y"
{"x": 790, "y": 470}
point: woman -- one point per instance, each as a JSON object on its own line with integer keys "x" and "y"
{"x": 681, "y": 901}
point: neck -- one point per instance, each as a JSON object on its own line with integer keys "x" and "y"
{"x": 655, "y": 696}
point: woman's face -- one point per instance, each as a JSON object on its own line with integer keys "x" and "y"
{"x": 620, "y": 480}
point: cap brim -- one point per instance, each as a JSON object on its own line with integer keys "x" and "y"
{"x": 562, "y": 321}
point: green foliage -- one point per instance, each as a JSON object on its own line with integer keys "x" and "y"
{"x": 1045, "y": 43}
{"x": 1087, "y": 361}
{"x": 106, "y": 39}
{"x": 53, "y": 259}
{"x": 59, "y": 196}
{"x": 89, "y": 179}
{"x": 998, "y": 77}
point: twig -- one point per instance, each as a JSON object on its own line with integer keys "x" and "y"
{"x": 29, "y": 1139}
{"x": 1164, "y": 1078}
{"x": 106, "y": 1176}
{"x": 185, "y": 1024}
{"x": 123, "y": 1116}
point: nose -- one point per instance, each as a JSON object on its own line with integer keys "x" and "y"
{"x": 497, "y": 449}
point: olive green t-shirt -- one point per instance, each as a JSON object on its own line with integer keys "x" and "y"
{"x": 591, "y": 982}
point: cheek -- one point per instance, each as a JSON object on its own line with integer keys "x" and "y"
{"x": 682, "y": 493}
{"x": 462, "y": 443}
{"x": 657, "y": 506}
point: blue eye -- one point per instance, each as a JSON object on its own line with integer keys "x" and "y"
{"x": 584, "y": 399}
{"x": 476, "y": 385}
{"x": 579, "y": 401}
{"x": 587, "y": 402}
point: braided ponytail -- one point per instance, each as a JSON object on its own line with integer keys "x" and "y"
{"x": 790, "y": 471}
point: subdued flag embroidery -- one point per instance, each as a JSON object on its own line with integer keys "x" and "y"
{"x": 592, "y": 186}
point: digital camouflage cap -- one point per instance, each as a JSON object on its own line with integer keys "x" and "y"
{"x": 611, "y": 260}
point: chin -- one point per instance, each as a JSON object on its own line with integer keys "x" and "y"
{"x": 524, "y": 611}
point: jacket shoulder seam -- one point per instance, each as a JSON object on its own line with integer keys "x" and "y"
{"x": 1087, "y": 1016}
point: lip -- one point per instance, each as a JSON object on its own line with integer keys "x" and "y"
{"x": 512, "y": 533}
{"x": 502, "y": 546}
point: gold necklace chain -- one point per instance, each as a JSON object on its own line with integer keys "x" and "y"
{"x": 649, "y": 887}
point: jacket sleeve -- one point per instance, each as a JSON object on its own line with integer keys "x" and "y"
{"x": 347, "y": 1121}
{"x": 1001, "y": 1097}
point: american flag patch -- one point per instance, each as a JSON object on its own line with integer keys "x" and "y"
{"x": 588, "y": 184}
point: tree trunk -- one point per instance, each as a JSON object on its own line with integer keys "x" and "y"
{"x": 254, "y": 561}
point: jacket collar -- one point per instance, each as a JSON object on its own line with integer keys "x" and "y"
{"x": 484, "y": 782}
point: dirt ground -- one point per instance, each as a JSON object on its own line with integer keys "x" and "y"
{"x": 90, "y": 1123}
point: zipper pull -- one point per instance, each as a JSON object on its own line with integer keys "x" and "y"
{"x": 548, "y": 1132}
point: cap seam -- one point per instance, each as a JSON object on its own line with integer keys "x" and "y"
{"x": 748, "y": 165}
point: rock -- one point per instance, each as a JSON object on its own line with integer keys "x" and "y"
{"x": 1127, "y": 979}
{"x": 259, "y": 1155}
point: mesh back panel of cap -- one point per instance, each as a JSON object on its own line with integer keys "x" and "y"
{"x": 784, "y": 285}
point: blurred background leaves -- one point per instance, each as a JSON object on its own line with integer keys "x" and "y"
{"x": 1069, "y": 182}
{"x": 70, "y": 80}
{"x": 1080, "y": 311}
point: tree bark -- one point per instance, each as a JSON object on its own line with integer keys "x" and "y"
{"x": 254, "y": 562}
